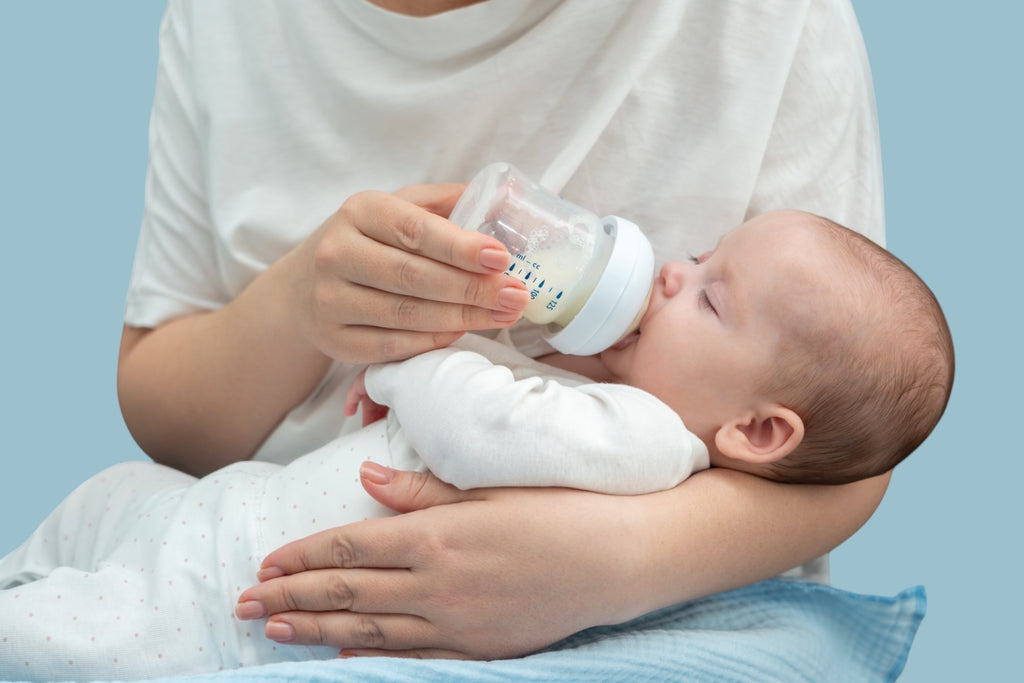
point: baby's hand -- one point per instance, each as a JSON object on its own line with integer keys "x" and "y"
{"x": 357, "y": 396}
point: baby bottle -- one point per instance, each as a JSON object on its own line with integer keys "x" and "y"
{"x": 589, "y": 278}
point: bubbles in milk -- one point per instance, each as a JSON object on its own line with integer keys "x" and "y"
{"x": 536, "y": 238}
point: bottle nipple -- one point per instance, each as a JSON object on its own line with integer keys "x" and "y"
{"x": 634, "y": 326}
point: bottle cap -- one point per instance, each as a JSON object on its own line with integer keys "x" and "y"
{"x": 617, "y": 299}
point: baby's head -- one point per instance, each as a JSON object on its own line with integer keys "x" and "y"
{"x": 797, "y": 350}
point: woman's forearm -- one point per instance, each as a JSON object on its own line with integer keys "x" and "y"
{"x": 383, "y": 278}
{"x": 205, "y": 390}
{"x": 501, "y": 572}
{"x": 723, "y": 529}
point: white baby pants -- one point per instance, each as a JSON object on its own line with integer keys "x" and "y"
{"x": 136, "y": 573}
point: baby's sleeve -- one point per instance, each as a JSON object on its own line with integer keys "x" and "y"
{"x": 475, "y": 424}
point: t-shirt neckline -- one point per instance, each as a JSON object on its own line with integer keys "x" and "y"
{"x": 448, "y": 34}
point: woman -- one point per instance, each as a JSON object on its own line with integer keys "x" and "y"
{"x": 249, "y": 313}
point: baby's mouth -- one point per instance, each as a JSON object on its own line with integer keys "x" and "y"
{"x": 626, "y": 341}
{"x": 636, "y": 327}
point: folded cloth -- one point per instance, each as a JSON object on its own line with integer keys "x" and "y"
{"x": 773, "y": 630}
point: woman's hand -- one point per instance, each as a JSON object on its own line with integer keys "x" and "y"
{"x": 495, "y": 573}
{"x": 386, "y": 277}
{"x": 456, "y": 581}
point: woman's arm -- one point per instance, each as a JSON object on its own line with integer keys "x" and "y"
{"x": 385, "y": 277}
{"x": 494, "y": 573}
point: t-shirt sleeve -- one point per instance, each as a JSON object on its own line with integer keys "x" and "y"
{"x": 175, "y": 270}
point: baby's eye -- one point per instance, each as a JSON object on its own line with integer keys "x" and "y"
{"x": 700, "y": 258}
{"x": 705, "y": 302}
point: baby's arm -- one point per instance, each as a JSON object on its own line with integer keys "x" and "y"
{"x": 477, "y": 424}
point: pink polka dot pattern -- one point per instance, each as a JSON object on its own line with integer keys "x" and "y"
{"x": 106, "y": 598}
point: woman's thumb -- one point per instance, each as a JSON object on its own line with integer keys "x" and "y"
{"x": 404, "y": 491}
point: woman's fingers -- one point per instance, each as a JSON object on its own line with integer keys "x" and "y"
{"x": 405, "y": 491}
{"x": 328, "y": 590}
{"x": 373, "y": 542}
{"x": 385, "y": 278}
{"x": 397, "y": 222}
{"x": 437, "y": 198}
{"x": 399, "y": 272}
{"x": 350, "y": 630}
{"x": 359, "y": 324}
{"x": 379, "y": 309}
{"x": 328, "y": 571}
{"x": 350, "y": 546}
{"x": 401, "y": 249}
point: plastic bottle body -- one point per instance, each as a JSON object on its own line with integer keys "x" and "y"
{"x": 562, "y": 253}
{"x": 558, "y": 249}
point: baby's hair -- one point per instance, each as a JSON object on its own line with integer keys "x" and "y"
{"x": 871, "y": 388}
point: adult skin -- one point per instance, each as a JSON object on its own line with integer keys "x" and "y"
{"x": 503, "y": 572}
{"x": 384, "y": 278}
{"x": 488, "y": 573}
{"x": 496, "y": 573}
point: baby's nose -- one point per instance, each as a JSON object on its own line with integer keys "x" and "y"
{"x": 672, "y": 275}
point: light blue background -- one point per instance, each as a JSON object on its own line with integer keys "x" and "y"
{"x": 76, "y": 82}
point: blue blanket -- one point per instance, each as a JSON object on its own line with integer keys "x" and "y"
{"x": 774, "y": 630}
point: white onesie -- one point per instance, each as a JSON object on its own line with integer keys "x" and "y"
{"x": 137, "y": 572}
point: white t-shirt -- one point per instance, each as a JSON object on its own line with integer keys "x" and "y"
{"x": 685, "y": 116}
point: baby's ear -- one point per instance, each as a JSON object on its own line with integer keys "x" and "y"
{"x": 764, "y": 435}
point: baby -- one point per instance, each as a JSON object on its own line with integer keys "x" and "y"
{"x": 797, "y": 350}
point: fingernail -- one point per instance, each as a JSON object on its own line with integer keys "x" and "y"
{"x": 494, "y": 259}
{"x": 279, "y": 632}
{"x": 250, "y": 609}
{"x": 513, "y": 298}
{"x": 504, "y": 317}
{"x": 268, "y": 573}
{"x": 376, "y": 474}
